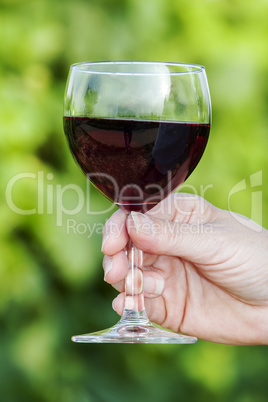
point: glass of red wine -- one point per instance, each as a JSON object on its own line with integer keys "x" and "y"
{"x": 137, "y": 130}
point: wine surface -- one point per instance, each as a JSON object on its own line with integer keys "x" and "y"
{"x": 135, "y": 163}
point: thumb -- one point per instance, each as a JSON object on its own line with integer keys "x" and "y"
{"x": 192, "y": 241}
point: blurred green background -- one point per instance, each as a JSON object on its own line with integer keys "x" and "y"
{"x": 51, "y": 279}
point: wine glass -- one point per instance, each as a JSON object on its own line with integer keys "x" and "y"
{"x": 137, "y": 130}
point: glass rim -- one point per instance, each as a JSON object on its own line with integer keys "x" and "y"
{"x": 192, "y": 67}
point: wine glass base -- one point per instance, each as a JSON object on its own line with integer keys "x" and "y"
{"x": 134, "y": 333}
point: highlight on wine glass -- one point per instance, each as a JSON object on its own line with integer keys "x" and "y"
{"x": 137, "y": 130}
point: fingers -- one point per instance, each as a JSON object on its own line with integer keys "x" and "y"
{"x": 183, "y": 208}
{"x": 115, "y": 236}
{"x": 155, "y": 308}
{"x": 193, "y": 241}
{"x": 193, "y": 214}
{"x": 115, "y": 267}
{"x": 179, "y": 226}
{"x": 152, "y": 283}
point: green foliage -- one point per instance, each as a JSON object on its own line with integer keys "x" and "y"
{"x": 51, "y": 277}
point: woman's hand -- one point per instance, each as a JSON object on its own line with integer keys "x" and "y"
{"x": 205, "y": 269}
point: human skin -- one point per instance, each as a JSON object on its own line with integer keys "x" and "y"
{"x": 205, "y": 269}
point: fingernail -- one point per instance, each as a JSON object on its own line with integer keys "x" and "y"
{"x": 104, "y": 239}
{"x": 114, "y": 302}
{"x": 108, "y": 266}
{"x": 130, "y": 303}
{"x": 153, "y": 286}
{"x": 133, "y": 282}
{"x": 135, "y": 218}
{"x": 142, "y": 223}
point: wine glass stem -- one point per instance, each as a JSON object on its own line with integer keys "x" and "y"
{"x": 134, "y": 310}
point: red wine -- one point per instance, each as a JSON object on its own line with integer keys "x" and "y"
{"x": 136, "y": 163}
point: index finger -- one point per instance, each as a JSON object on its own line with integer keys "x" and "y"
{"x": 115, "y": 236}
